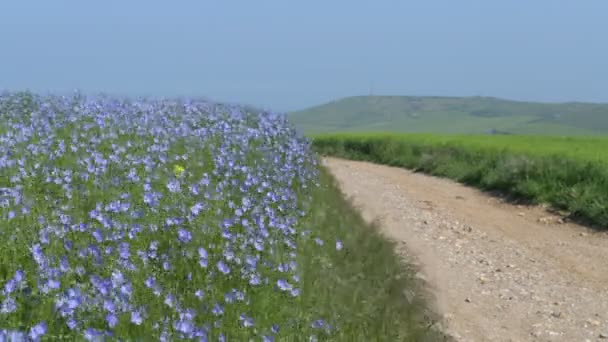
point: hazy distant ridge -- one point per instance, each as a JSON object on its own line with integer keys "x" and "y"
{"x": 452, "y": 115}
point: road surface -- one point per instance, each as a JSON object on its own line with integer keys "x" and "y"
{"x": 497, "y": 271}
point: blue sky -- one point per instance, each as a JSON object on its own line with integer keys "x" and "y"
{"x": 287, "y": 55}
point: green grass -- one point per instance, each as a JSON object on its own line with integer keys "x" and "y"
{"x": 366, "y": 284}
{"x": 453, "y": 115}
{"x": 569, "y": 174}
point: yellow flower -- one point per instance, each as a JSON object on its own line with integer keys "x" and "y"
{"x": 178, "y": 170}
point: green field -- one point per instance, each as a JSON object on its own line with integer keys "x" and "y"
{"x": 568, "y": 173}
{"x": 454, "y": 115}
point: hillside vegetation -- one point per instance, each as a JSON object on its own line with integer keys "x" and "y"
{"x": 461, "y": 115}
{"x": 183, "y": 219}
{"x": 569, "y": 174}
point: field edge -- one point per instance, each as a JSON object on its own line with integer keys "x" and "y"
{"x": 398, "y": 306}
{"x": 575, "y": 187}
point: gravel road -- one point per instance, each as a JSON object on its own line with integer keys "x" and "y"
{"x": 497, "y": 271}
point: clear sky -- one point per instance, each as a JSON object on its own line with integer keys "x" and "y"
{"x": 287, "y": 55}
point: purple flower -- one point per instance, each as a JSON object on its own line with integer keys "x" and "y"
{"x": 137, "y": 317}
{"x": 188, "y": 314}
{"x": 67, "y": 245}
{"x": 217, "y": 310}
{"x": 339, "y": 245}
{"x": 174, "y": 186}
{"x": 184, "y": 326}
{"x": 318, "y": 324}
{"x": 44, "y": 237}
{"x": 132, "y": 176}
{"x": 197, "y": 208}
{"x": 8, "y": 305}
{"x": 37, "y": 254}
{"x": 259, "y": 245}
{"x": 10, "y": 286}
{"x": 19, "y": 276}
{"x": 64, "y": 264}
{"x": 53, "y": 284}
{"x": 246, "y": 321}
{"x": 112, "y": 320}
{"x": 222, "y": 267}
{"x": 184, "y": 235}
{"x": 38, "y": 330}
{"x": 12, "y": 335}
{"x": 123, "y": 250}
{"x": 166, "y": 265}
{"x": 109, "y": 306}
{"x": 254, "y": 279}
{"x": 150, "y": 282}
{"x": 164, "y": 337}
{"x": 199, "y": 294}
{"x": 92, "y": 334}
{"x": 71, "y": 323}
{"x": 98, "y": 235}
{"x": 126, "y": 289}
{"x": 170, "y": 300}
{"x": 251, "y": 261}
{"x": 230, "y": 297}
{"x": 150, "y": 199}
{"x": 283, "y": 285}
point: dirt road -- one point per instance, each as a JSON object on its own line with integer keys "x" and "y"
{"x": 499, "y": 272}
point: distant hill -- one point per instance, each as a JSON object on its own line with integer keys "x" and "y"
{"x": 430, "y": 114}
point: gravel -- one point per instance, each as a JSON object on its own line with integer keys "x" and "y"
{"x": 496, "y": 271}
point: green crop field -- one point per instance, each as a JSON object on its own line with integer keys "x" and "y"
{"x": 568, "y": 173}
{"x": 581, "y": 148}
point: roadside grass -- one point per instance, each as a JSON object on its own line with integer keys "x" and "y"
{"x": 569, "y": 174}
{"x": 368, "y": 286}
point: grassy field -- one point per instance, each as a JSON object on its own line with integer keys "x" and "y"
{"x": 180, "y": 219}
{"x": 568, "y": 173}
{"x": 453, "y": 115}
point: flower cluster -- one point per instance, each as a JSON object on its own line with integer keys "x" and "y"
{"x": 153, "y": 219}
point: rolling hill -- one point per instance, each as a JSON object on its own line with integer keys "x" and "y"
{"x": 430, "y": 114}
